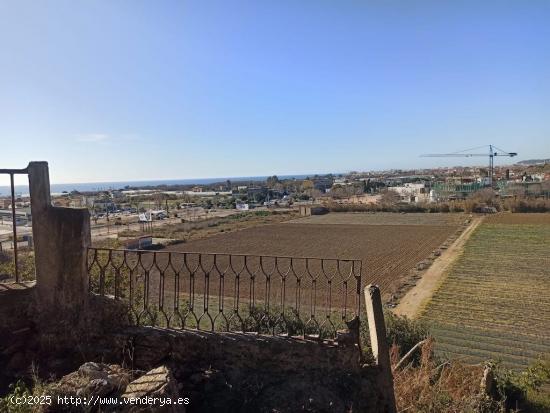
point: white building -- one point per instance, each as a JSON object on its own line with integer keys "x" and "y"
{"x": 208, "y": 193}
{"x": 242, "y": 207}
{"x": 411, "y": 192}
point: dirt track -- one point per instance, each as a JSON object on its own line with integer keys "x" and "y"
{"x": 413, "y": 301}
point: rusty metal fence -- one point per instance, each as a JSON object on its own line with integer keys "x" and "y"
{"x": 229, "y": 292}
{"x": 11, "y": 247}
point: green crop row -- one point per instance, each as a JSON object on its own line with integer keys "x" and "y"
{"x": 495, "y": 300}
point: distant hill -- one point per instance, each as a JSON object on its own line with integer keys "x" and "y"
{"x": 533, "y": 162}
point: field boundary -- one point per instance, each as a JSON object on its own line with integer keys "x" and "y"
{"x": 418, "y": 296}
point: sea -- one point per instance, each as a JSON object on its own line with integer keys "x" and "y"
{"x": 23, "y": 190}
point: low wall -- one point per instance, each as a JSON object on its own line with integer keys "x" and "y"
{"x": 217, "y": 371}
{"x": 249, "y": 372}
{"x": 16, "y": 330}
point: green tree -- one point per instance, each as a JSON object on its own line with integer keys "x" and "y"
{"x": 272, "y": 181}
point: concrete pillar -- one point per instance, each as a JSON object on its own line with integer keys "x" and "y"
{"x": 61, "y": 239}
{"x": 39, "y": 187}
{"x": 379, "y": 343}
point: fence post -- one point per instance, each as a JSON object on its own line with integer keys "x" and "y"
{"x": 379, "y": 343}
{"x": 61, "y": 239}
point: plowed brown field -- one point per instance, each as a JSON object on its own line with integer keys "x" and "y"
{"x": 388, "y": 252}
{"x": 389, "y": 247}
{"x": 383, "y": 218}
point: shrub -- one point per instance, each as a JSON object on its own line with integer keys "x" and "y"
{"x": 265, "y": 321}
{"x": 400, "y": 331}
{"x": 432, "y": 387}
{"x": 457, "y": 207}
{"x": 17, "y": 389}
{"x": 527, "y": 205}
{"x": 404, "y": 332}
{"x": 26, "y": 265}
{"x": 525, "y": 388}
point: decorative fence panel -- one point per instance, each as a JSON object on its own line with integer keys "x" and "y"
{"x": 230, "y": 292}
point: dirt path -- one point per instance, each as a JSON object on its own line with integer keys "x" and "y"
{"x": 415, "y": 299}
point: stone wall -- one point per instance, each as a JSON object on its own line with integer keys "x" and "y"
{"x": 226, "y": 372}
{"x": 222, "y": 372}
{"x": 16, "y": 330}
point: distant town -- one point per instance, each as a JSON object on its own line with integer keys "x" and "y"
{"x": 408, "y": 189}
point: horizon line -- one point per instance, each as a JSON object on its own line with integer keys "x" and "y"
{"x": 224, "y": 178}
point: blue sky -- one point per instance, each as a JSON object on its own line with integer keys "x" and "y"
{"x": 122, "y": 90}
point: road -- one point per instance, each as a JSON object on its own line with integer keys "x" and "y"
{"x": 104, "y": 229}
{"x": 107, "y": 230}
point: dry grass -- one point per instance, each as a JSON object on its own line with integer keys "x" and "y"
{"x": 450, "y": 387}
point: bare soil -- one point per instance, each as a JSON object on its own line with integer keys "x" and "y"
{"x": 384, "y": 218}
{"x": 392, "y": 256}
{"x": 388, "y": 252}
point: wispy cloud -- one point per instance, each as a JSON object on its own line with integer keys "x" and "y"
{"x": 92, "y": 137}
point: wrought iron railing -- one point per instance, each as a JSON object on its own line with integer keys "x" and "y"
{"x": 14, "y": 241}
{"x": 229, "y": 292}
